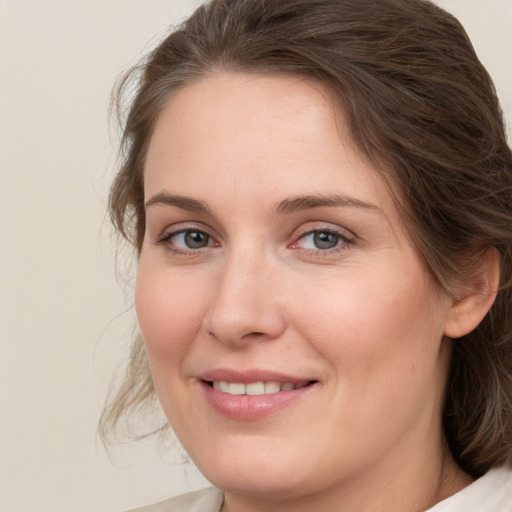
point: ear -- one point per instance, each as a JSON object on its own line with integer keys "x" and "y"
{"x": 474, "y": 298}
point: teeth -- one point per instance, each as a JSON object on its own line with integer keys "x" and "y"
{"x": 256, "y": 388}
{"x": 236, "y": 388}
{"x": 272, "y": 387}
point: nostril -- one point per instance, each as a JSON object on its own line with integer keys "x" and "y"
{"x": 238, "y": 324}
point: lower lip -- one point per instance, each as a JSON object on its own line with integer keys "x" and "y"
{"x": 251, "y": 407}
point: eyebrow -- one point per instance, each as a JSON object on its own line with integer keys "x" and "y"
{"x": 185, "y": 203}
{"x": 286, "y": 206}
{"x": 308, "y": 202}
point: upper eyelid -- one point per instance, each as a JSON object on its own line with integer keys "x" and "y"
{"x": 324, "y": 226}
{"x": 341, "y": 232}
{"x": 180, "y": 227}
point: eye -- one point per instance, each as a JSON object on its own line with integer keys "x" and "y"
{"x": 322, "y": 240}
{"x": 188, "y": 239}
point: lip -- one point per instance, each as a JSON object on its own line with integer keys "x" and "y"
{"x": 248, "y": 376}
{"x": 251, "y": 407}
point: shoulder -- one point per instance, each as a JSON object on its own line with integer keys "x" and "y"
{"x": 204, "y": 500}
{"x": 490, "y": 493}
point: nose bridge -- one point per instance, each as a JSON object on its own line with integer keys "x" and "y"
{"x": 245, "y": 304}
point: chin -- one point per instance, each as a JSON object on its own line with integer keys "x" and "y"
{"x": 257, "y": 481}
{"x": 253, "y": 471}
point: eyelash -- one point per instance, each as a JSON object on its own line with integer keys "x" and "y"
{"x": 190, "y": 252}
{"x": 343, "y": 243}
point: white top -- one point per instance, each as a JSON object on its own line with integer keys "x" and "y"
{"x": 490, "y": 493}
{"x": 204, "y": 500}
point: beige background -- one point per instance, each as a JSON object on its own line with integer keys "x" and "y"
{"x": 62, "y": 326}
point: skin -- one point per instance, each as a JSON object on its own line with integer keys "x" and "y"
{"x": 363, "y": 318}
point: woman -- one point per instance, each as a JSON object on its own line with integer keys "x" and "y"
{"x": 320, "y": 195}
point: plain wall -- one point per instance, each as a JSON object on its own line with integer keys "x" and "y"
{"x": 62, "y": 327}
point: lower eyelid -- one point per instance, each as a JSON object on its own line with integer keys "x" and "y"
{"x": 324, "y": 254}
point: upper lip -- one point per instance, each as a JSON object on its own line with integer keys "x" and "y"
{"x": 248, "y": 376}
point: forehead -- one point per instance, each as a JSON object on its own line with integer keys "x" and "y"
{"x": 264, "y": 105}
{"x": 261, "y": 135}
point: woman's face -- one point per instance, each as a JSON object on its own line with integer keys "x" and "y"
{"x": 293, "y": 332}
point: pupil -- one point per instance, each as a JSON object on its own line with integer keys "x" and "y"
{"x": 196, "y": 239}
{"x": 325, "y": 240}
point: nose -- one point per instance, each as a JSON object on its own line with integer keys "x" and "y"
{"x": 245, "y": 305}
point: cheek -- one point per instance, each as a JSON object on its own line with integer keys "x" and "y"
{"x": 382, "y": 339}
{"x": 169, "y": 311}
{"x": 376, "y": 324}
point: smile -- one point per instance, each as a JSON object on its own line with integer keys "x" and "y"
{"x": 255, "y": 388}
{"x": 252, "y": 396}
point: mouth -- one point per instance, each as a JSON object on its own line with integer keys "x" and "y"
{"x": 253, "y": 395}
{"x": 257, "y": 388}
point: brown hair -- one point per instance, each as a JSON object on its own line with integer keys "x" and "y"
{"x": 421, "y": 107}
